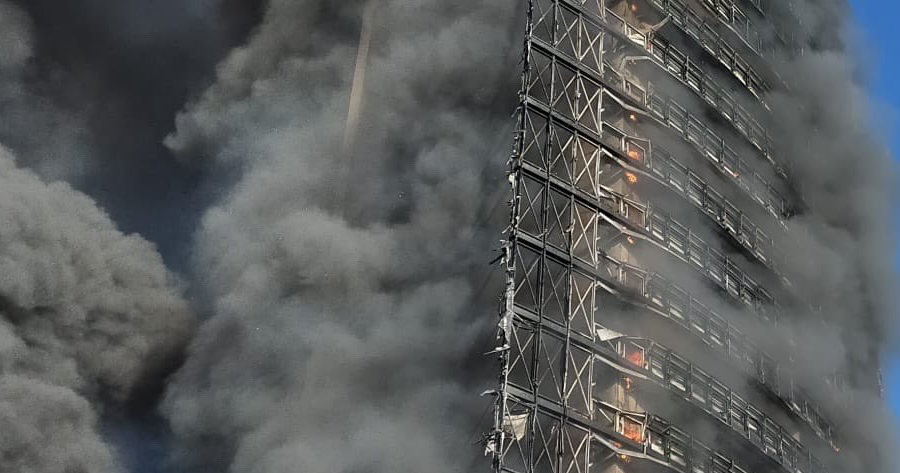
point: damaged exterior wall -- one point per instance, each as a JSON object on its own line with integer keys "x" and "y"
{"x": 642, "y": 257}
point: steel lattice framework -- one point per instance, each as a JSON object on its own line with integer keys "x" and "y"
{"x": 614, "y": 122}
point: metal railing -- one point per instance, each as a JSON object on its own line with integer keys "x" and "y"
{"x": 736, "y": 20}
{"x": 660, "y": 441}
{"x": 728, "y": 12}
{"x": 680, "y": 65}
{"x": 705, "y": 36}
{"x": 676, "y": 374}
{"x": 716, "y": 153}
{"x": 714, "y": 95}
{"x": 682, "y": 180}
{"x": 679, "y": 241}
{"x": 692, "y": 76}
{"x": 638, "y": 286}
{"x": 677, "y": 305}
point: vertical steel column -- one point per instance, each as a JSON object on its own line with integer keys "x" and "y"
{"x": 497, "y": 439}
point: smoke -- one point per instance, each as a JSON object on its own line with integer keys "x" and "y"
{"x": 842, "y": 240}
{"x": 94, "y": 91}
{"x": 346, "y": 283}
{"x": 88, "y": 317}
{"x": 348, "y": 338}
{"x": 319, "y": 310}
{"x": 49, "y": 136}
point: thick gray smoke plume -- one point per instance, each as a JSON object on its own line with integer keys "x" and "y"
{"x": 342, "y": 337}
{"x": 842, "y": 242}
{"x": 846, "y": 177}
{"x": 87, "y": 315}
{"x": 88, "y": 90}
{"x": 348, "y": 286}
{"x": 51, "y": 137}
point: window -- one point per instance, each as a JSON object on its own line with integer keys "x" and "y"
{"x": 632, "y": 430}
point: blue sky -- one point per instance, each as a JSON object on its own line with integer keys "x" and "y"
{"x": 878, "y": 20}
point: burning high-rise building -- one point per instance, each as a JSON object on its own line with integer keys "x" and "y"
{"x": 699, "y": 265}
{"x": 652, "y": 319}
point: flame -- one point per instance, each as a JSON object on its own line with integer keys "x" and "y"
{"x": 632, "y": 431}
{"x": 625, "y": 458}
{"x": 636, "y": 358}
{"x": 634, "y": 154}
{"x": 632, "y": 178}
{"x": 631, "y": 240}
{"x": 632, "y": 117}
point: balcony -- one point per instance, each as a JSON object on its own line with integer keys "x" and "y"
{"x": 582, "y": 150}
{"x": 531, "y": 413}
{"x": 681, "y": 66}
{"x": 713, "y": 150}
{"x": 739, "y": 21}
{"x": 581, "y": 47}
{"x": 638, "y": 286}
{"x": 666, "y": 369}
{"x": 679, "y": 241}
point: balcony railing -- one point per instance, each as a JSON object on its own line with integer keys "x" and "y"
{"x": 676, "y": 374}
{"x": 676, "y": 304}
{"x": 677, "y": 177}
{"x": 630, "y": 435}
{"x": 701, "y": 32}
{"x": 638, "y": 286}
{"x": 679, "y": 241}
{"x": 585, "y": 55}
{"x": 691, "y": 76}
{"x": 735, "y": 17}
{"x": 529, "y": 430}
{"x": 713, "y": 149}
{"x": 680, "y": 65}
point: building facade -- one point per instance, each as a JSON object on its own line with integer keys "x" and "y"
{"x": 641, "y": 254}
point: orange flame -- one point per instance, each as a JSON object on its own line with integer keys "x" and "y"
{"x": 636, "y": 358}
{"x": 632, "y": 178}
{"x": 632, "y": 117}
{"x": 634, "y": 154}
{"x": 632, "y": 431}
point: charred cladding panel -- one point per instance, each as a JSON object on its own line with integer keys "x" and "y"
{"x": 641, "y": 258}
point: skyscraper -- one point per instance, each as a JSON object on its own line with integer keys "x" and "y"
{"x": 643, "y": 263}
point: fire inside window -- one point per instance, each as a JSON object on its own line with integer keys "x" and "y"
{"x": 632, "y": 430}
{"x": 635, "y": 152}
{"x": 634, "y": 354}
